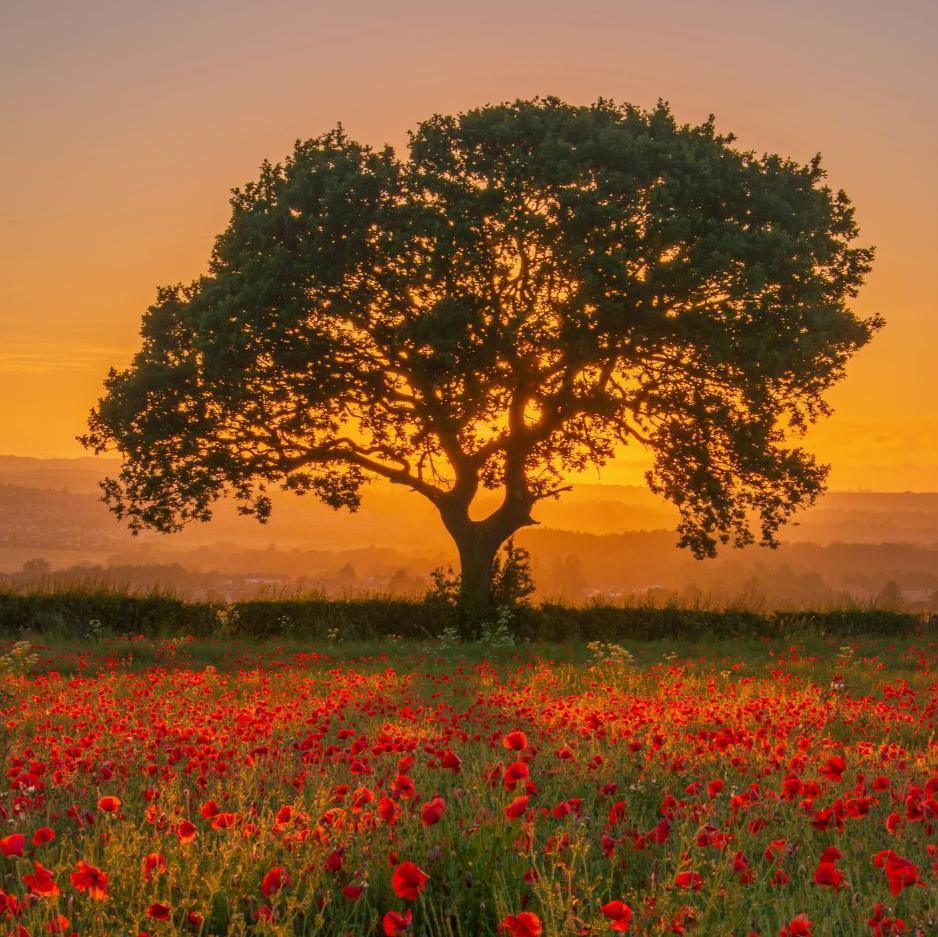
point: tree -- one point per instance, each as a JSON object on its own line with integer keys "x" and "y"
{"x": 889, "y": 598}
{"x": 536, "y": 285}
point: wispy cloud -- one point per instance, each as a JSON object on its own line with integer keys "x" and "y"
{"x": 55, "y": 358}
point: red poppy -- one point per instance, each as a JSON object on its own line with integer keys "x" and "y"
{"x": 43, "y": 835}
{"x": 41, "y": 882}
{"x": 275, "y": 880}
{"x": 515, "y": 772}
{"x": 394, "y": 923}
{"x": 403, "y": 787}
{"x": 619, "y": 914}
{"x": 742, "y": 868}
{"x": 388, "y": 810}
{"x": 159, "y": 911}
{"x": 451, "y": 761}
{"x": 432, "y": 811}
{"x": 284, "y": 816}
{"x": 91, "y": 880}
{"x": 109, "y": 804}
{"x": 900, "y": 873}
{"x": 688, "y": 880}
{"x": 186, "y": 831}
{"x": 13, "y": 845}
{"x": 516, "y": 741}
{"x": 517, "y": 807}
{"x": 152, "y": 864}
{"x": 525, "y": 924}
{"x": 882, "y": 925}
{"x": 828, "y": 874}
{"x": 799, "y": 926}
{"x": 58, "y": 925}
{"x": 834, "y": 768}
{"x": 409, "y": 880}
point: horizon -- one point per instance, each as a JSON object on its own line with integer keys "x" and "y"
{"x": 577, "y": 483}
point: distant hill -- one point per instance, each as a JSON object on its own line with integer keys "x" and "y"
{"x": 75, "y": 475}
{"x": 598, "y": 539}
{"x": 394, "y": 517}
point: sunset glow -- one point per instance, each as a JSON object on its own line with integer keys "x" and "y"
{"x": 128, "y": 124}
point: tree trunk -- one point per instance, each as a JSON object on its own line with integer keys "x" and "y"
{"x": 478, "y": 542}
{"x": 476, "y": 565}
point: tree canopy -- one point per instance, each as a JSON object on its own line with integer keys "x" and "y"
{"x": 532, "y": 287}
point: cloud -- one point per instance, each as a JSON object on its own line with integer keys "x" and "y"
{"x": 56, "y": 358}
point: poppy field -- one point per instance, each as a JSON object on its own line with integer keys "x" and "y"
{"x": 156, "y": 787}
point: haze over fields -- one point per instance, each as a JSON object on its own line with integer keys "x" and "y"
{"x": 598, "y": 541}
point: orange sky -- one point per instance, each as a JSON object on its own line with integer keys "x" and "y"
{"x": 126, "y": 123}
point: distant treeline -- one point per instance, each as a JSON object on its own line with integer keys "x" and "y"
{"x": 82, "y": 613}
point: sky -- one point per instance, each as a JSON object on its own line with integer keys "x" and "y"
{"x": 127, "y": 123}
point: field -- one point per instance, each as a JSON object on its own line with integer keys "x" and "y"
{"x": 753, "y": 787}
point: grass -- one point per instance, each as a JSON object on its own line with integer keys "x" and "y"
{"x": 321, "y": 758}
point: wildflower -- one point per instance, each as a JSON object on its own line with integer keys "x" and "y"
{"x": 451, "y": 761}
{"x": 827, "y": 872}
{"x": 41, "y": 882}
{"x": 799, "y": 926}
{"x": 525, "y": 924}
{"x": 209, "y": 809}
{"x": 13, "y": 844}
{"x": 834, "y": 768}
{"x": 284, "y": 816}
{"x": 394, "y": 923}
{"x": 403, "y": 787}
{"x": 688, "y": 880}
{"x": 517, "y": 807}
{"x": 432, "y": 811}
{"x": 159, "y": 911}
{"x": 882, "y": 925}
{"x": 58, "y": 925}
{"x": 515, "y": 772}
{"x": 900, "y": 873}
{"x": 388, "y": 810}
{"x": 409, "y": 880}
{"x": 153, "y": 864}
{"x": 91, "y": 880}
{"x": 619, "y": 914}
{"x": 515, "y": 741}
{"x": 275, "y": 880}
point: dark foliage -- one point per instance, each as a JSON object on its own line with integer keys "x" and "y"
{"x": 69, "y": 615}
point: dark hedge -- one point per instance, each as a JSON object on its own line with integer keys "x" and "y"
{"x": 69, "y": 614}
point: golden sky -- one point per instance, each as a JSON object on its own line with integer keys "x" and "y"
{"x": 126, "y": 123}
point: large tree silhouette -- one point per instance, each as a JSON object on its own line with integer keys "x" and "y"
{"x": 536, "y": 285}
